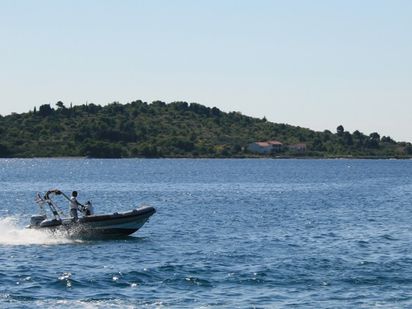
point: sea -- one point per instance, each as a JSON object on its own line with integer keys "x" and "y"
{"x": 228, "y": 233}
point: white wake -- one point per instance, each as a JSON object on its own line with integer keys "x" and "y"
{"x": 13, "y": 234}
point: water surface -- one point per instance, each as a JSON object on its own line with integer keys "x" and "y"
{"x": 227, "y": 234}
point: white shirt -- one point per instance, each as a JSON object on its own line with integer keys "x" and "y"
{"x": 73, "y": 203}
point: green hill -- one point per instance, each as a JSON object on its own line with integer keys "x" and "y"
{"x": 178, "y": 129}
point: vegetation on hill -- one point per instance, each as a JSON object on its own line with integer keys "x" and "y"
{"x": 178, "y": 129}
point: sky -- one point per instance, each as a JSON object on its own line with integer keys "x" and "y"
{"x": 315, "y": 64}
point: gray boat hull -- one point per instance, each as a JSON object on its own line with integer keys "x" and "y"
{"x": 96, "y": 226}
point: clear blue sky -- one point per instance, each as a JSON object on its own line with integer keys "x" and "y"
{"x": 315, "y": 64}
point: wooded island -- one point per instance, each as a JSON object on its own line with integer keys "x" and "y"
{"x": 178, "y": 129}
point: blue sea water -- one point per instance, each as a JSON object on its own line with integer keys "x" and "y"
{"x": 227, "y": 234}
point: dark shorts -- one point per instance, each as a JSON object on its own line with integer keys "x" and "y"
{"x": 73, "y": 214}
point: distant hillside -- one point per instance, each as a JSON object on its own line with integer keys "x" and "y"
{"x": 178, "y": 129}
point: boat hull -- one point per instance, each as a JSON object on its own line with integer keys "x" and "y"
{"x": 96, "y": 226}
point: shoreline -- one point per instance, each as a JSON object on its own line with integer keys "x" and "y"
{"x": 219, "y": 158}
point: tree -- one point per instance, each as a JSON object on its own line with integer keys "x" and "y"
{"x": 357, "y": 135}
{"x": 408, "y": 149}
{"x": 45, "y": 110}
{"x": 159, "y": 104}
{"x": 317, "y": 145}
{"x": 339, "y": 130}
{"x": 215, "y": 111}
{"x": 347, "y": 138}
{"x": 180, "y": 106}
{"x": 199, "y": 109}
{"x": 60, "y": 105}
{"x": 102, "y": 150}
{"x": 4, "y": 151}
{"x": 375, "y": 136}
{"x": 387, "y": 139}
{"x": 373, "y": 141}
{"x": 149, "y": 151}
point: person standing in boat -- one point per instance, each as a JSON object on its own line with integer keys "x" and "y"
{"x": 74, "y": 206}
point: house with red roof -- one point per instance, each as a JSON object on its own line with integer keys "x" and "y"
{"x": 265, "y": 147}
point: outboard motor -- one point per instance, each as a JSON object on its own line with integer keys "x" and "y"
{"x": 37, "y": 219}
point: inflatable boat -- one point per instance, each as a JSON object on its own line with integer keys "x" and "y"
{"x": 88, "y": 226}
